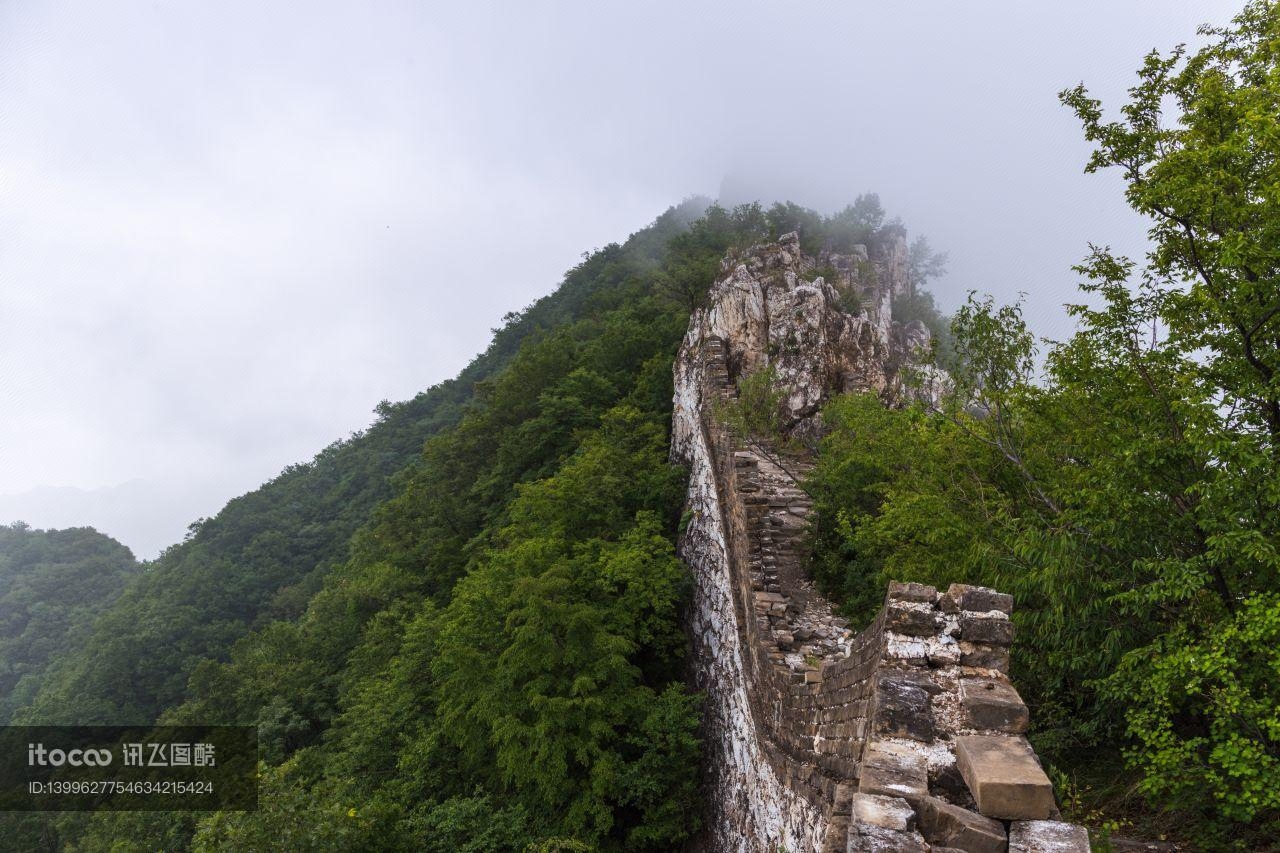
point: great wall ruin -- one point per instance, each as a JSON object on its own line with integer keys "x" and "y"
{"x": 906, "y": 736}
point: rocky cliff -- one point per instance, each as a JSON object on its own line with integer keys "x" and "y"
{"x": 905, "y": 736}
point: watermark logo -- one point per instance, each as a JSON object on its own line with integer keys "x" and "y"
{"x": 38, "y": 756}
{"x": 114, "y": 768}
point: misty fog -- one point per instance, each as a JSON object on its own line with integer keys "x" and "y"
{"x": 227, "y": 232}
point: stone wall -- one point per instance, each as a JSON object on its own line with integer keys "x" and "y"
{"x": 905, "y": 736}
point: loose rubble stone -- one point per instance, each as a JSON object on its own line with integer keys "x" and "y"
{"x": 946, "y": 782}
{"x": 909, "y": 650}
{"x": 894, "y": 770}
{"x": 874, "y": 839}
{"x": 943, "y": 651}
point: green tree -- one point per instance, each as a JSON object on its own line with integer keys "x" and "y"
{"x": 574, "y": 616}
{"x": 1206, "y": 175}
{"x": 1129, "y": 496}
{"x": 1199, "y": 151}
{"x": 923, "y": 263}
{"x": 53, "y": 585}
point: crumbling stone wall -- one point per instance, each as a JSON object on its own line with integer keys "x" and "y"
{"x": 905, "y": 736}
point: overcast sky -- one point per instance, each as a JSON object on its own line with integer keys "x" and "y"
{"x": 227, "y": 230}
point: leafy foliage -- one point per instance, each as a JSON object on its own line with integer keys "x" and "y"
{"x": 756, "y": 414}
{"x": 258, "y": 559}
{"x": 1129, "y": 498}
{"x": 53, "y": 585}
{"x": 575, "y": 613}
{"x": 861, "y": 223}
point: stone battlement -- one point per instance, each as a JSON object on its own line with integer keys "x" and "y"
{"x": 907, "y": 735}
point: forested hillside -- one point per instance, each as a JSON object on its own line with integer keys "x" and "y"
{"x": 265, "y": 555}
{"x": 53, "y": 585}
{"x": 491, "y": 655}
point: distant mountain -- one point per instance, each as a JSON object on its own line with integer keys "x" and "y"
{"x": 53, "y": 585}
{"x": 146, "y": 514}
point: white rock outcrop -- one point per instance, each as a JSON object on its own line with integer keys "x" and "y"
{"x": 771, "y": 308}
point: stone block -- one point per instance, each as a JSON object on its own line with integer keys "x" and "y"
{"x": 909, "y": 650}
{"x": 843, "y": 799}
{"x": 984, "y": 656}
{"x": 875, "y": 839}
{"x": 923, "y": 680}
{"x": 901, "y": 708}
{"x": 765, "y": 601}
{"x": 943, "y": 653}
{"x": 912, "y": 592}
{"x": 917, "y": 621}
{"x": 894, "y": 770}
{"x": 962, "y": 596}
{"x": 1047, "y": 836}
{"x": 994, "y": 704}
{"x": 845, "y": 768}
{"x": 993, "y": 629}
{"x": 886, "y": 812}
{"x": 1005, "y": 777}
{"x": 943, "y": 824}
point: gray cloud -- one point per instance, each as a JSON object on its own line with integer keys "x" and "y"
{"x": 228, "y": 230}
